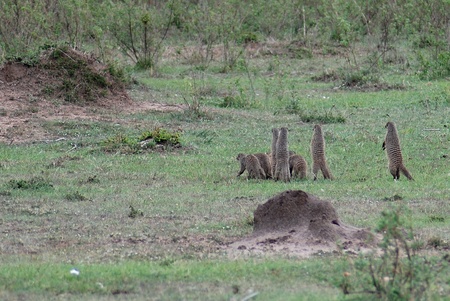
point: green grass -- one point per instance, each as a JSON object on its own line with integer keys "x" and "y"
{"x": 176, "y": 279}
{"x": 191, "y": 202}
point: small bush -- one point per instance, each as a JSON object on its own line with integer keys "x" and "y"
{"x": 162, "y": 136}
{"x": 398, "y": 274}
{"x": 247, "y": 37}
{"x": 135, "y": 212}
{"x": 119, "y": 73}
{"x": 121, "y": 143}
{"x": 359, "y": 79}
{"x": 75, "y": 197}
{"x": 147, "y": 140}
{"x": 32, "y": 184}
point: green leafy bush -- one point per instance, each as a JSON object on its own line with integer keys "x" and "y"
{"x": 162, "y": 136}
{"x": 147, "y": 140}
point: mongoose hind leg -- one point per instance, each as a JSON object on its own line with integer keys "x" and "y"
{"x": 315, "y": 170}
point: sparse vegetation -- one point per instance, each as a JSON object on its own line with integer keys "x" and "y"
{"x": 162, "y": 136}
{"x": 146, "y": 140}
{"x": 33, "y": 184}
{"x": 400, "y": 273}
{"x": 75, "y": 197}
{"x": 232, "y": 71}
{"x": 135, "y": 212}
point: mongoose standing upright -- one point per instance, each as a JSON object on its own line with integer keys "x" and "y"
{"x": 318, "y": 154}
{"x": 251, "y": 163}
{"x": 273, "y": 154}
{"x": 282, "y": 157}
{"x": 297, "y": 166}
{"x": 394, "y": 154}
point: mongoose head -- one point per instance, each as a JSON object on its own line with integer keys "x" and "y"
{"x": 240, "y": 156}
{"x": 317, "y": 128}
{"x": 389, "y": 124}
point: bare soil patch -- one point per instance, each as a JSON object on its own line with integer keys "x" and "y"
{"x": 296, "y": 223}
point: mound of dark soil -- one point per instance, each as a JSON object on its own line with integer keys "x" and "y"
{"x": 298, "y": 223}
{"x": 63, "y": 84}
{"x": 295, "y": 209}
{"x": 64, "y": 73}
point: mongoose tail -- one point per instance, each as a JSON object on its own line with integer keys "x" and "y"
{"x": 326, "y": 173}
{"x": 404, "y": 171}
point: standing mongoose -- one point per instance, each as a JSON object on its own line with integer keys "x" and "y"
{"x": 264, "y": 161}
{"x": 273, "y": 154}
{"x": 282, "y": 157}
{"x": 318, "y": 154}
{"x": 252, "y": 165}
{"x": 297, "y": 166}
{"x": 394, "y": 154}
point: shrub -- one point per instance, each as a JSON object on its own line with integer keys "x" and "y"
{"x": 147, "y": 140}
{"x": 434, "y": 69}
{"x": 135, "y": 212}
{"x": 398, "y": 274}
{"x": 32, "y": 184}
{"x": 162, "y": 136}
{"x": 121, "y": 143}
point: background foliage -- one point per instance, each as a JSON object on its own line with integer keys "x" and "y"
{"x": 143, "y": 29}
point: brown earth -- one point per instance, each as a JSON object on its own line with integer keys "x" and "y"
{"x": 297, "y": 223}
{"x": 33, "y": 95}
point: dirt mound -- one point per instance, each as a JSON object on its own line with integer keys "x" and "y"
{"x": 65, "y": 84}
{"x": 297, "y": 223}
{"x": 63, "y": 73}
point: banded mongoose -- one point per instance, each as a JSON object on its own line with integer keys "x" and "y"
{"x": 297, "y": 166}
{"x": 318, "y": 154}
{"x": 273, "y": 154}
{"x": 282, "y": 157}
{"x": 252, "y": 165}
{"x": 394, "y": 154}
{"x": 264, "y": 161}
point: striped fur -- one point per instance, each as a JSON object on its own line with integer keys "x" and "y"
{"x": 318, "y": 154}
{"x": 282, "y": 157}
{"x": 297, "y": 166}
{"x": 394, "y": 154}
{"x": 273, "y": 154}
{"x": 264, "y": 161}
{"x": 252, "y": 165}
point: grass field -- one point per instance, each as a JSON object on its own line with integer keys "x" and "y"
{"x": 152, "y": 225}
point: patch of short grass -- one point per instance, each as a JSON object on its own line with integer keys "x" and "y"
{"x": 175, "y": 278}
